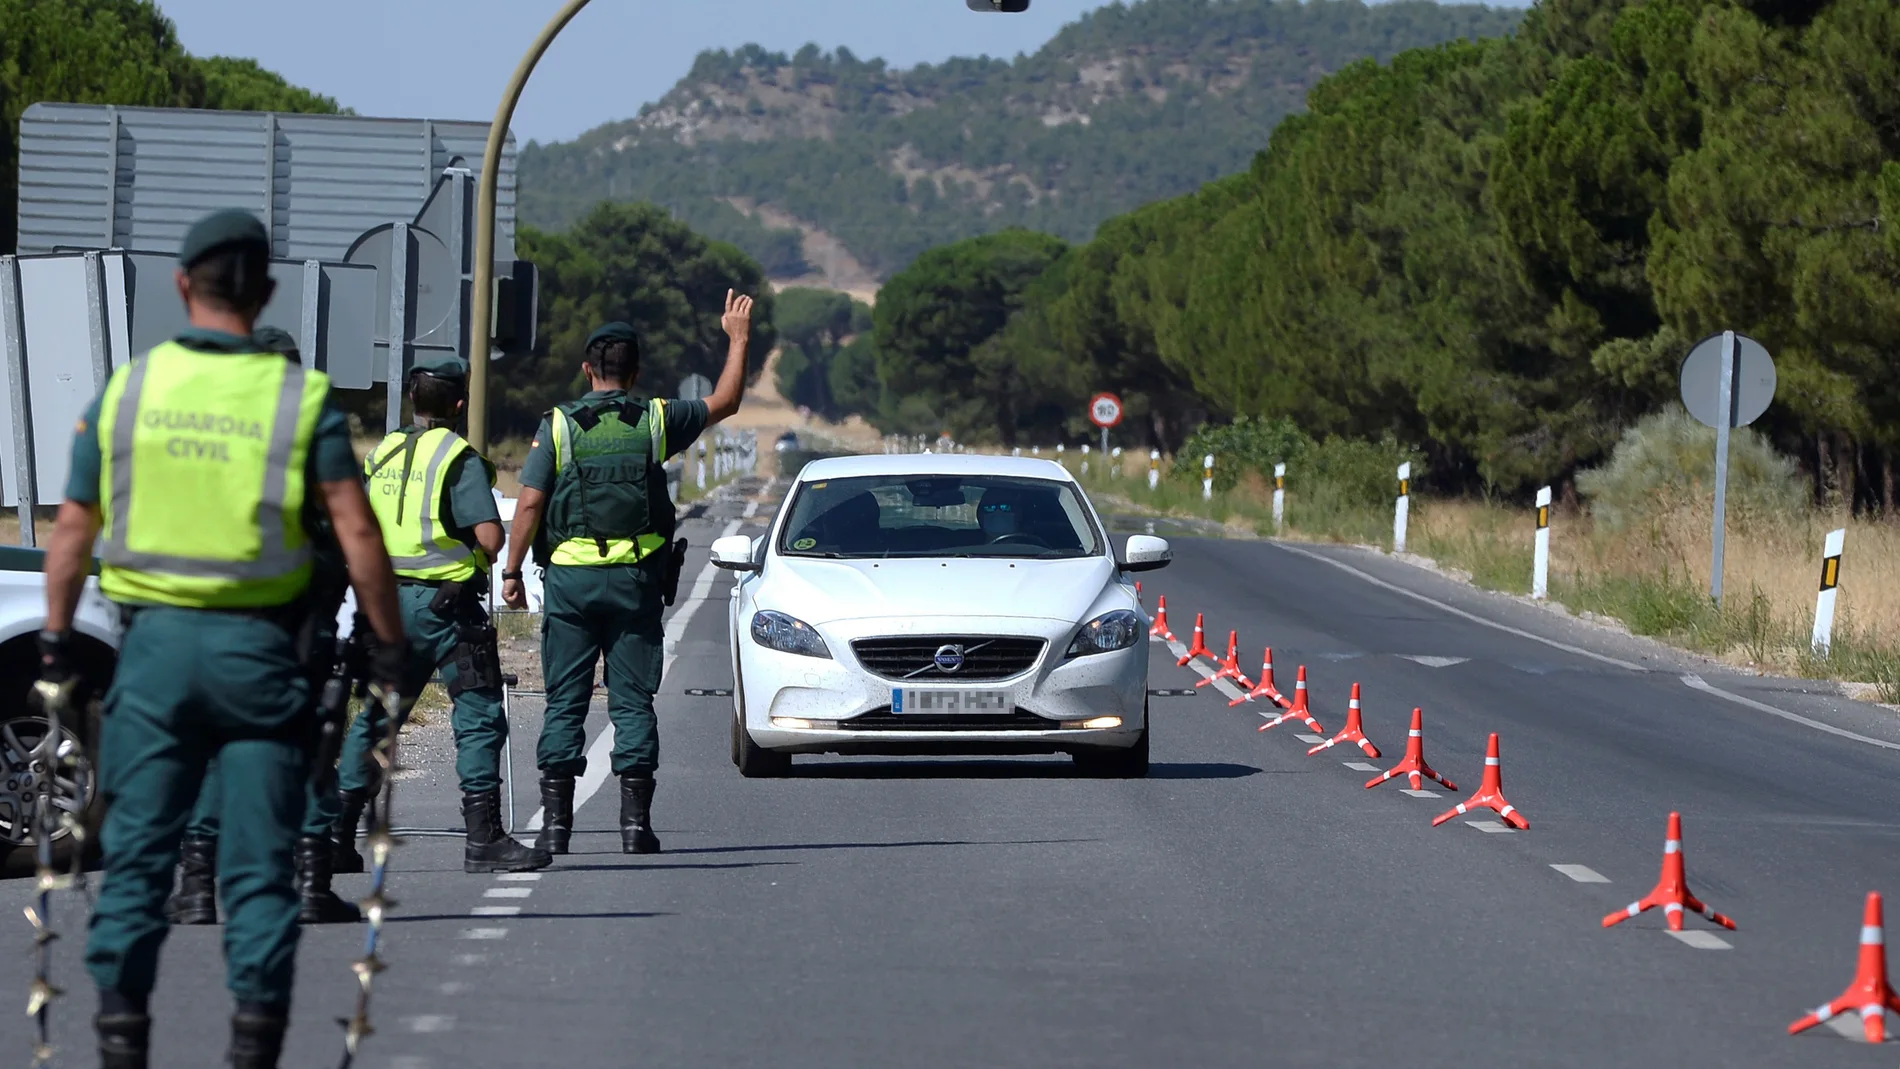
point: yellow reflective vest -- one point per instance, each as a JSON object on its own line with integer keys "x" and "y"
{"x": 408, "y": 473}
{"x": 202, "y": 468}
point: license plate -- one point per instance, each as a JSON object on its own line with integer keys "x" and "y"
{"x": 950, "y": 701}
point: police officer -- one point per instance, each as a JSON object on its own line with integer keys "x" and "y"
{"x": 434, "y": 495}
{"x": 593, "y": 490}
{"x": 198, "y": 463}
{"x": 196, "y": 901}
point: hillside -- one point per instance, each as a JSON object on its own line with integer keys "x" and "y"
{"x": 839, "y": 171}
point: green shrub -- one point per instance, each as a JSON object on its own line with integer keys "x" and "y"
{"x": 1357, "y": 471}
{"x": 1668, "y": 459}
{"x": 1248, "y": 444}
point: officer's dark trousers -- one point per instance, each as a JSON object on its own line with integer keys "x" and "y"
{"x": 191, "y": 685}
{"x": 610, "y": 610}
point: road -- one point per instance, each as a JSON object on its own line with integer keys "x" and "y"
{"x": 1245, "y": 905}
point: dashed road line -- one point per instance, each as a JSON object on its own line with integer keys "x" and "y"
{"x": 469, "y": 959}
{"x": 1311, "y": 738}
{"x": 1360, "y": 766}
{"x": 1419, "y": 794}
{"x": 1702, "y": 940}
{"x": 1582, "y": 873}
{"x": 409, "y": 1061}
{"x": 751, "y": 509}
{"x": 1433, "y": 662}
{"x": 456, "y": 987}
{"x": 494, "y": 911}
{"x": 430, "y": 1022}
{"x": 1848, "y": 1025}
{"x": 508, "y": 892}
{"x": 484, "y": 933}
{"x": 519, "y": 877}
{"x": 1495, "y": 827}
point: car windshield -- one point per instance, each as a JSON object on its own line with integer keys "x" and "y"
{"x": 939, "y": 516}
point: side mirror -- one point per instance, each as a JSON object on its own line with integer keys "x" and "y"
{"x": 734, "y": 554}
{"x": 1145, "y": 554}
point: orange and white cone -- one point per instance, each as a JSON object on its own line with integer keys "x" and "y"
{"x": 1354, "y": 731}
{"x": 1265, "y": 688}
{"x": 1490, "y": 794}
{"x": 1413, "y": 764}
{"x": 1229, "y": 665}
{"x": 1672, "y": 891}
{"x": 1160, "y": 628}
{"x": 1298, "y": 710}
{"x": 1199, "y": 649}
{"x": 1870, "y": 995}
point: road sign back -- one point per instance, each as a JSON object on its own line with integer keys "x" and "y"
{"x": 1702, "y": 372}
{"x": 1105, "y": 410}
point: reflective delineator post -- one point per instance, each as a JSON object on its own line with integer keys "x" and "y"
{"x": 1207, "y": 478}
{"x": 1115, "y": 469}
{"x": 1824, "y": 603}
{"x": 1404, "y": 506}
{"x": 1540, "y": 560}
{"x": 1154, "y": 469}
{"x": 700, "y": 472}
{"x": 1085, "y": 458}
{"x": 1059, "y": 457}
{"x": 1016, "y": 451}
{"x": 1279, "y": 497}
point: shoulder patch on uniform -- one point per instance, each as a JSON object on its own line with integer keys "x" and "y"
{"x": 81, "y": 425}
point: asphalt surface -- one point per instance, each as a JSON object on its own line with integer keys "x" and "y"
{"x": 1245, "y": 905}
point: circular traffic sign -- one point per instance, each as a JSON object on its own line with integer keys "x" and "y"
{"x": 1105, "y": 410}
{"x": 1702, "y": 373}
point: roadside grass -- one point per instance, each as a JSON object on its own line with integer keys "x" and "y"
{"x": 1653, "y": 576}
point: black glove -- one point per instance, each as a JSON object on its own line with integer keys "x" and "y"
{"x": 388, "y": 662}
{"x": 55, "y": 648}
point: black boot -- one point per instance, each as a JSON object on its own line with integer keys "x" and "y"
{"x": 316, "y": 903}
{"x": 489, "y": 847}
{"x": 257, "y": 1039}
{"x": 636, "y": 815}
{"x": 197, "y": 899}
{"x": 343, "y": 855}
{"x": 557, "y": 813}
{"x": 123, "y": 1039}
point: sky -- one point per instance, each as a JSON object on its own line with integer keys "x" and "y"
{"x": 451, "y": 59}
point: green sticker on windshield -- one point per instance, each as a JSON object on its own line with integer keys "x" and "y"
{"x": 804, "y": 543}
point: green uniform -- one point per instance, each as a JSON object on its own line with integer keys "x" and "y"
{"x": 207, "y": 665}
{"x": 610, "y": 609}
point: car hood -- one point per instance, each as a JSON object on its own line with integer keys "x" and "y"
{"x": 824, "y": 591}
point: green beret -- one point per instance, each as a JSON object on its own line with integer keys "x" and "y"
{"x": 612, "y": 332}
{"x": 273, "y": 340}
{"x": 222, "y": 230}
{"x": 441, "y": 366}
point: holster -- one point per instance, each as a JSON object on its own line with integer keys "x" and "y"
{"x": 476, "y": 653}
{"x": 675, "y": 564}
{"x": 347, "y": 677}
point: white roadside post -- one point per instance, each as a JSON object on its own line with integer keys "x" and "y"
{"x": 1116, "y": 468}
{"x": 1830, "y": 579}
{"x": 1404, "y": 506}
{"x": 1279, "y": 497}
{"x": 1059, "y": 457}
{"x": 1207, "y": 478}
{"x": 699, "y": 478}
{"x": 1085, "y": 458}
{"x": 1154, "y": 469}
{"x": 1540, "y": 559}
{"x": 1016, "y": 451}
{"x": 1035, "y": 450}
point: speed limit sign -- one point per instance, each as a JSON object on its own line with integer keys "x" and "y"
{"x": 1105, "y": 410}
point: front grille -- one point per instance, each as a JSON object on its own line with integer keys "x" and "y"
{"x": 882, "y": 719}
{"x": 913, "y": 657}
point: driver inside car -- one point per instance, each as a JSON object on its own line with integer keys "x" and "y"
{"x": 1001, "y": 512}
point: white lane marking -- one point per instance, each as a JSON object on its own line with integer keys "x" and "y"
{"x": 1310, "y": 738}
{"x": 1582, "y": 873}
{"x": 1848, "y": 1025}
{"x": 519, "y": 877}
{"x": 1495, "y": 827}
{"x": 1419, "y": 794}
{"x": 598, "y": 755}
{"x": 751, "y": 509}
{"x": 456, "y": 987}
{"x": 409, "y": 1061}
{"x": 469, "y": 959}
{"x": 1360, "y": 766}
{"x": 430, "y": 1022}
{"x": 1455, "y": 611}
{"x": 1696, "y": 682}
{"x": 1179, "y": 649}
{"x": 494, "y": 911}
{"x": 508, "y": 892}
{"x": 484, "y": 933}
{"x": 1702, "y": 940}
{"x": 1433, "y": 662}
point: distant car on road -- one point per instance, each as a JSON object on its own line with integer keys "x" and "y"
{"x": 927, "y": 604}
{"x": 787, "y": 442}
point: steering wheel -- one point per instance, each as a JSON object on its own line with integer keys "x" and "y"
{"x": 1019, "y": 537}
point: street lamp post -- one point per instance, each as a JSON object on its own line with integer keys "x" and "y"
{"x": 481, "y": 319}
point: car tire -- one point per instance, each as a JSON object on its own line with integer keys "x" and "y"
{"x": 1129, "y": 763}
{"x": 96, "y": 667}
{"x": 756, "y": 762}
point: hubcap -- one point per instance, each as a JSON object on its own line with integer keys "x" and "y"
{"x": 26, "y": 761}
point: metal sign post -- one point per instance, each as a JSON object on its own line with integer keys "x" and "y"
{"x": 1728, "y": 379}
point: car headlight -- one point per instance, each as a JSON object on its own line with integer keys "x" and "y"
{"x": 1107, "y": 633}
{"x": 777, "y": 631}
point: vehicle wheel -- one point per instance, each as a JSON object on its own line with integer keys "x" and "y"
{"x": 1131, "y": 763}
{"x": 756, "y": 762}
{"x": 75, "y": 792}
{"x": 738, "y": 730}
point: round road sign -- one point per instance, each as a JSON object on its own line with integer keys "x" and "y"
{"x": 1703, "y": 371}
{"x": 1105, "y": 410}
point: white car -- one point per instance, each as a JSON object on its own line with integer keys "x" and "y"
{"x": 928, "y": 604}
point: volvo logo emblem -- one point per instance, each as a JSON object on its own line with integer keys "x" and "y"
{"x": 948, "y": 658}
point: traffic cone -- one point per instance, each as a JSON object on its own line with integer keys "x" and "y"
{"x": 1490, "y": 794}
{"x": 1199, "y": 649}
{"x": 1298, "y": 710}
{"x": 1265, "y": 689}
{"x": 1229, "y": 665}
{"x": 1160, "y": 628}
{"x": 1870, "y": 994}
{"x": 1354, "y": 731}
{"x": 1413, "y": 764}
{"x": 1672, "y": 891}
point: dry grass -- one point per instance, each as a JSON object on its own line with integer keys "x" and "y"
{"x": 10, "y": 528}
